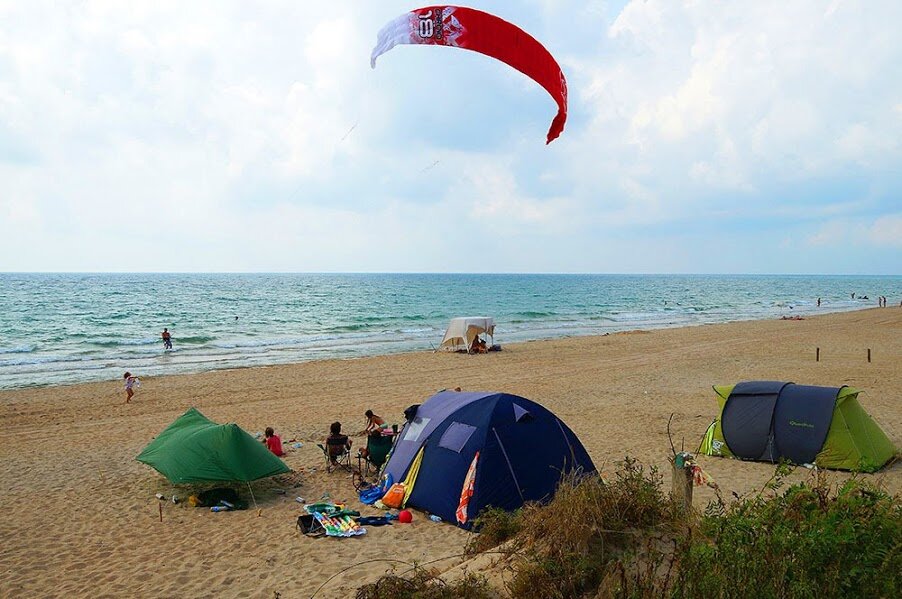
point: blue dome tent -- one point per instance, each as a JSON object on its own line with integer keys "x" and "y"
{"x": 462, "y": 452}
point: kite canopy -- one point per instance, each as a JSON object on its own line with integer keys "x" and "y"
{"x": 195, "y": 449}
{"x": 481, "y": 32}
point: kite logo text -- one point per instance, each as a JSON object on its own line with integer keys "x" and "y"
{"x": 426, "y": 28}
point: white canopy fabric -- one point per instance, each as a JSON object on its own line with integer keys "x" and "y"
{"x": 462, "y": 331}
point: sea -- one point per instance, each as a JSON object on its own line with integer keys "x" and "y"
{"x": 72, "y": 328}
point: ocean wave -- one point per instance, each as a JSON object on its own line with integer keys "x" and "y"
{"x": 18, "y": 349}
{"x": 195, "y": 340}
{"x": 120, "y": 342}
{"x": 35, "y": 360}
{"x": 355, "y": 327}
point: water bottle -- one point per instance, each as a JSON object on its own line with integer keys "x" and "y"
{"x": 219, "y": 508}
{"x": 435, "y": 518}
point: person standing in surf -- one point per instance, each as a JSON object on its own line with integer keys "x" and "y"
{"x": 167, "y": 339}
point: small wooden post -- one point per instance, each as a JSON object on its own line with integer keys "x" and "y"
{"x": 869, "y": 355}
{"x": 161, "y": 511}
{"x": 817, "y": 355}
{"x": 681, "y": 482}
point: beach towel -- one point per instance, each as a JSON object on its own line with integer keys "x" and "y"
{"x": 335, "y": 520}
{"x": 467, "y": 491}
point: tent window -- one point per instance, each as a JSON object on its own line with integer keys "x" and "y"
{"x": 521, "y": 414}
{"x": 414, "y": 428}
{"x": 456, "y": 436}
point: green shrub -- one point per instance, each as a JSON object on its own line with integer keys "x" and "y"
{"x": 424, "y": 585}
{"x": 626, "y": 539}
{"x": 568, "y": 546}
{"x": 495, "y": 526}
{"x": 807, "y": 542}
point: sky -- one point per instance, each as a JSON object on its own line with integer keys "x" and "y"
{"x": 703, "y": 137}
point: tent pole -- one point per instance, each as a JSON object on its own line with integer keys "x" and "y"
{"x": 254, "y": 499}
{"x": 509, "y": 466}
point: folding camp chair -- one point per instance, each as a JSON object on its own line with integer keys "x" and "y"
{"x": 378, "y": 446}
{"x": 336, "y": 452}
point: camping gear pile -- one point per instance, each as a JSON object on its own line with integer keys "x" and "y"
{"x": 218, "y": 500}
{"x": 461, "y": 452}
{"x": 771, "y": 421}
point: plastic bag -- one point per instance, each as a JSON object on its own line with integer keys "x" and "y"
{"x": 394, "y": 497}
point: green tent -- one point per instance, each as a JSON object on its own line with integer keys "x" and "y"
{"x": 770, "y": 421}
{"x": 195, "y": 449}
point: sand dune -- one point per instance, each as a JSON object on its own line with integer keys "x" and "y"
{"x": 81, "y": 519}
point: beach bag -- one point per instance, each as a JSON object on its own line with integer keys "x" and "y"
{"x": 310, "y": 526}
{"x": 394, "y": 497}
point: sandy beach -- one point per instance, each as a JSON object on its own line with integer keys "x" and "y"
{"x": 81, "y": 518}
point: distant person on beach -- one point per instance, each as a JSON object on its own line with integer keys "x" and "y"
{"x": 130, "y": 383}
{"x": 167, "y": 339}
{"x": 273, "y": 441}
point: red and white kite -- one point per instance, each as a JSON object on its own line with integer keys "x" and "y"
{"x": 481, "y": 32}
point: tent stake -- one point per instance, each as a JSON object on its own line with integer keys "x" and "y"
{"x": 817, "y": 355}
{"x": 869, "y": 355}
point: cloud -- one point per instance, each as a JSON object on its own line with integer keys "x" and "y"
{"x": 883, "y": 232}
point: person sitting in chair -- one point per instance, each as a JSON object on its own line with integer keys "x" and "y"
{"x": 336, "y": 443}
{"x": 478, "y": 346}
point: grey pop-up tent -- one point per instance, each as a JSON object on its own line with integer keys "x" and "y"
{"x": 771, "y": 421}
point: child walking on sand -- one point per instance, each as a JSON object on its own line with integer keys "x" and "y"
{"x": 130, "y": 383}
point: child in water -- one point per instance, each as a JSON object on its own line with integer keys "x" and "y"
{"x": 130, "y": 383}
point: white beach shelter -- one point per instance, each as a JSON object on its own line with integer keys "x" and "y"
{"x": 462, "y": 331}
